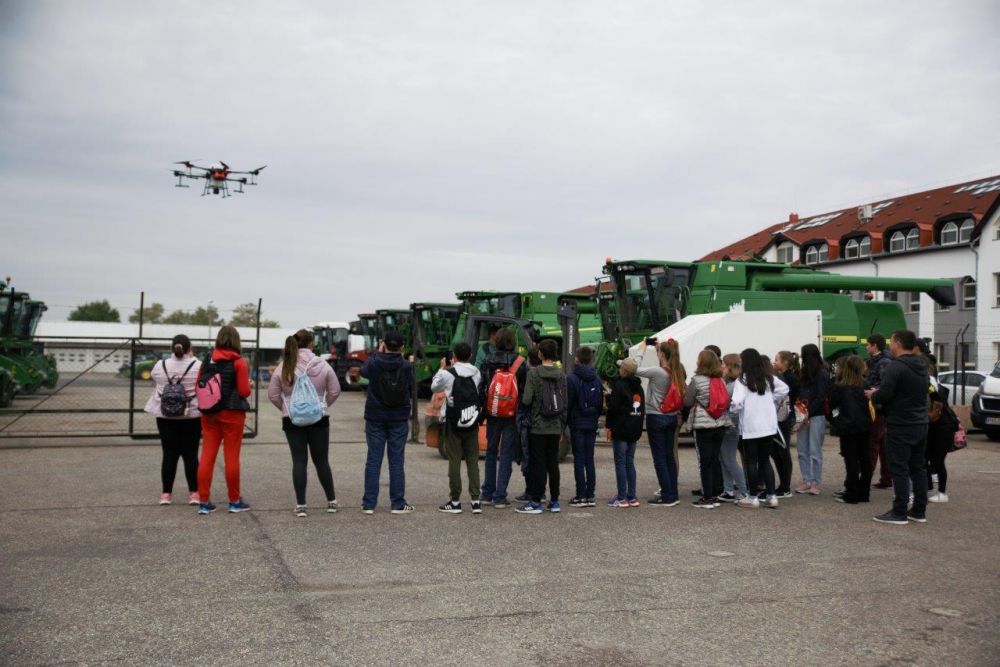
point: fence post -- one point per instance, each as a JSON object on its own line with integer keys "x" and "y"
{"x": 131, "y": 389}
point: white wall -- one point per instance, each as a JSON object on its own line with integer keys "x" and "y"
{"x": 987, "y": 314}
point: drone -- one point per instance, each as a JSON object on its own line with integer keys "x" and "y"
{"x": 217, "y": 177}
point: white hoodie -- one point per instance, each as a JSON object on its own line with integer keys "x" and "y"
{"x": 758, "y": 414}
{"x": 445, "y": 381}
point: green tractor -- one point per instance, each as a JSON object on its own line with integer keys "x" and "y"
{"x": 639, "y": 298}
{"x": 24, "y": 368}
{"x": 433, "y": 332}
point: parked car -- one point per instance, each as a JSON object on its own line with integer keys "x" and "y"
{"x": 953, "y": 381}
{"x": 986, "y": 405}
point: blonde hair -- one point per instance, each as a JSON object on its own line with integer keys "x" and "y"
{"x": 228, "y": 338}
{"x": 709, "y": 364}
{"x": 672, "y": 355}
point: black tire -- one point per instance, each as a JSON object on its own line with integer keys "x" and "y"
{"x": 993, "y": 434}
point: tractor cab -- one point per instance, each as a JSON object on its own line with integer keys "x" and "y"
{"x": 648, "y": 296}
{"x": 491, "y": 303}
{"x": 398, "y": 320}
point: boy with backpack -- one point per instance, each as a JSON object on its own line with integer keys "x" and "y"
{"x": 585, "y": 399}
{"x": 460, "y": 383}
{"x": 545, "y": 398}
{"x": 387, "y": 414}
{"x": 503, "y": 376}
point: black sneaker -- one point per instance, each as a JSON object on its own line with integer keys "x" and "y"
{"x": 501, "y": 504}
{"x": 591, "y": 502}
{"x": 660, "y": 502}
{"x": 919, "y": 518}
{"x": 727, "y": 497}
{"x": 889, "y": 517}
{"x": 839, "y": 494}
{"x": 477, "y": 507}
{"x": 405, "y": 509}
{"x": 452, "y": 507}
{"x": 704, "y": 503}
{"x": 523, "y": 498}
{"x": 696, "y": 492}
{"x": 578, "y": 502}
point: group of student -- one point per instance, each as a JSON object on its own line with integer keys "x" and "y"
{"x": 741, "y": 408}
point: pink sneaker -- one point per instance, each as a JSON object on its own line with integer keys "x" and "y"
{"x": 634, "y": 502}
{"x": 813, "y": 490}
{"x": 803, "y": 487}
{"x": 193, "y": 498}
{"x": 166, "y": 499}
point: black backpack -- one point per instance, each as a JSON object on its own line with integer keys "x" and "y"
{"x": 215, "y": 386}
{"x": 394, "y": 386}
{"x": 174, "y": 399}
{"x": 553, "y": 397}
{"x": 590, "y": 398}
{"x": 466, "y": 410}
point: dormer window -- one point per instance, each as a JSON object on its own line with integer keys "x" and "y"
{"x": 817, "y": 253}
{"x": 904, "y": 239}
{"x": 913, "y": 239}
{"x": 897, "y": 242}
{"x": 955, "y": 232}
{"x": 858, "y": 247}
{"x": 786, "y": 252}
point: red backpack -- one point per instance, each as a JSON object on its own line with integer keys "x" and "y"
{"x": 718, "y": 398}
{"x": 672, "y": 401}
{"x": 502, "y": 395}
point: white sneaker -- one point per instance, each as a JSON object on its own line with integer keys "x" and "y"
{"x": 934, "y": 478}
{"x": 938, "y": 498}
{"x": 772, "y": 501}
{"x": 748, "y": 501}
{"x": 300, "y": 511}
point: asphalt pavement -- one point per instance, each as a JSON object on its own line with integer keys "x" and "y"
{"x": 94, "y": 571}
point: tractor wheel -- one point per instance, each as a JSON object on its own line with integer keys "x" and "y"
{"x": 145, "y": 374}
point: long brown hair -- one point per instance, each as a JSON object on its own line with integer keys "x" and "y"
{"x": 791, "y": 362}
{"x": 228, "y": 338}
{"x": 851, "y": 371}
{"x": 672, "y": 356}
{"x": 709, "y": 364}
{"x": 290, "y": 355}
{"x": 734, "y": 366}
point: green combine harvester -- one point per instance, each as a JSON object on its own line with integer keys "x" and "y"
{"x": 433, "y": 331}
{"x": 23, "y": 366}
{"x": 639, "y": 298}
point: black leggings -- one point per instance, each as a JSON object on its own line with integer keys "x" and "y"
{"x": 543, "y": 462}
{"x": 936, "y": 453}
{"x": 758, "y": 460}
{"x": 306, "y": 441}
{"x": 179, "y": 438}
{"x": 857, "y": 466}
{"x": 708, "y": 441}
{"x": 782, "y": 456}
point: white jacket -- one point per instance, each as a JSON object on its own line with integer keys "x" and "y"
{"x": 175, "y": 367}
{"x": 758, "y": 414}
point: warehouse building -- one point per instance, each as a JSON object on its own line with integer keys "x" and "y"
{"x": 949, "y": 232}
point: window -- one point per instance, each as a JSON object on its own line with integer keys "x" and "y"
{"x": 996, "y": 232}
{"x": 786, "y": 253}
{"x": 865, "y": 247}
{"x": 892, "y": 296}
{"x": 996, "y": 290}
{"x": 913, "y": 239}
{"x": 897, "y": 242}
{"x": 913, "y": 302}
{"x": 965, "y": 231}
{"x": 949, "y": 233}
{"x": 817, "y": 253}
{"x": 811, "y": 254}
{"x": 968, "y": 290}
{"x": 852, "y": 249}
{"x": 941, "y": 352}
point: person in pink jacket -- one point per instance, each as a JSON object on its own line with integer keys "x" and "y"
{"x": 312, "y": 440}
{"x": 179, "y": 434}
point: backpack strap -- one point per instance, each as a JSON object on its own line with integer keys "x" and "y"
{"x": 516, "y": 365}
{"x": 185, "y": 370}
{"x": 165, "y": 371}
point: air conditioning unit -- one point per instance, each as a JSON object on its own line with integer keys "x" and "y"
{"x": 865, "y": 213}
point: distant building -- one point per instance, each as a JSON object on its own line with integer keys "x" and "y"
{"x": 949, "y": 232}
{"x": 105, "y": 346}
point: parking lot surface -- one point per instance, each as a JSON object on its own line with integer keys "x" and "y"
{"x": 94, "y": 571}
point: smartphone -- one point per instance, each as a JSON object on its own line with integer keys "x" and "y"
{"x": 650, "y": 341}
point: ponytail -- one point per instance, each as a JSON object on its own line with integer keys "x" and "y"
{"x": 290, "y": 355}
{"x": 672, "y": 355}
{"x": 181, "y": 345}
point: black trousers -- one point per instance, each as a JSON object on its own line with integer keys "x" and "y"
{"x": 758, "y": 459}
{"x": 906, "y": 449}
{"x": 179, "y": 438}
{"x": 543, "y": 461}
{"x": 856, "y": 450}
{"x": 306, "y": 441}
{"x": 782, "y": 456}
{"x": 709, "y": 444}
{"x": 937, "y": 450}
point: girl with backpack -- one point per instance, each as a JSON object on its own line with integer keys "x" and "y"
{"x": 175, "y": 407}
{"x": 222, "y": 423}
{"x": 852, "y": 421}
{"x": 303, "y": 387}
{"x": 626, "y": 410}
{"x": 709, "y": 420}
{"x": 786, "y": 364}
{"x": 734, "y": 481}
{"x": 813, "y": 400}
{"x": 666, "y": 383}
{"x": 755, "y": 398}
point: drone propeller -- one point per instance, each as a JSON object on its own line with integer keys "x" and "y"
{"x": 186, "y": 163}
{"x": 258, "y": 170}
{"x": 224, "y": 165}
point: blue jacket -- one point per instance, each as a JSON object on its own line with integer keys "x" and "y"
{"x": 574, "y": 382}
{"x": 374, "y": 409}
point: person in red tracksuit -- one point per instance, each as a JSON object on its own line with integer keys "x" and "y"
{"x": 225, "y": 427}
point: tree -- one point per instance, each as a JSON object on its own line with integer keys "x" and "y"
{"x": 95, "y": 311}
{"x": 245, "y": 315}
{"x": 153, "y": 314}
{"x": 201, "y": 315}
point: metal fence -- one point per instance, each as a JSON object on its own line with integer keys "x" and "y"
{"x": 106, "y": 395}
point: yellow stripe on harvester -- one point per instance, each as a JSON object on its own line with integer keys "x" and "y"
{"x": 840, "y": 339}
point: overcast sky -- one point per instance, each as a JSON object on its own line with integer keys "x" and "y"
{"x": 417, "y": 148}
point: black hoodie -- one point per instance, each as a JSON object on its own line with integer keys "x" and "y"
{"x": 904, "y": 391}
{"x": 626, "y": 409}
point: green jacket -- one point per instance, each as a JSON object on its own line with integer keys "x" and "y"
{"x": 532, "y": 399}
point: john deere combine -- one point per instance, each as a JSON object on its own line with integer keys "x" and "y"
{"x": 23, "y": 367}
{"x": 638, "y": 298}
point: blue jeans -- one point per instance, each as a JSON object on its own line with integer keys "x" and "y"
{"x": 625, "y": 469}
{"x": 382, "y": 436}
{"x": 661, "y": 430}
{"x": 810, "y": 448}
{"x": 734, "y": 482}
{"x": 501, "y": 440}
{"x": 583, "y": 461}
